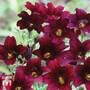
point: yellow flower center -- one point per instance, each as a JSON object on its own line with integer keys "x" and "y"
{"x": 58, "y": 32}
{"x": 18, "y": 88}
{"x": 82, "y": 25}
{"x": 10, "y": 55}
{"x": 87, "y": 77}
{"x": 61, "y": 80}
{"x": 34, "y": 74}
{"x": 30, "y": 25}
{"x": 47, "y": 55}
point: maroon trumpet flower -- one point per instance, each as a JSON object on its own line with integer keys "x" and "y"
{"x": 83, "y": 74}
{"x": 79, "y": 48}
{"x": 49, "y": 48}
{"x": 38, "y": 16}
{"x": 27, "y": 75}
{"x": 34, "y": 68}
{"x": 10, "y": 51}
{"x": 80, "y": 21}
{"x": 45, "y": 10}
{"x": 59, "y": 77}
{"x": 30, "y": 22}
{"x": 20, "y": 82}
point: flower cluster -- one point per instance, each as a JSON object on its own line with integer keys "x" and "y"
{"x": 61, "y": 59}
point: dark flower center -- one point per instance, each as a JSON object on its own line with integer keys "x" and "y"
{"x": 61, "y": 80}
{"x": 47, "y": 55}
{"x": 87, "y": 77}
{"x": 58, "y": 32}
{"x": 34, "y": 74}
{"x": 18, "y": 88}
{"x": 10, "y": 55}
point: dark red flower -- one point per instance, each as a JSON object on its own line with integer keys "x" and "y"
{"x": 10, "y": 51}
{"x": 80, "y": 21}
{"x": 38, "y": 7}
{"x": 58, "y": 26}
{"x": 79, "y": 48}
{"x": 32, "y": 72}
{"x": 39, "y": 15}
{"x": 83, "y": 74}
{"x": 34, "y": 68}
{"x": 54, "y": 11}
{"x": 59, "y": 77}
{"x": 20, "y": 82}
{"x": 30, "y": 22}
{"x": 45, "y": 10}
{"x": 49, "y": 48}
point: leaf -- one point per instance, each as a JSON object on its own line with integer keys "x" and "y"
{"x": 39, "y": 86}
{"x": 4, "y": 68}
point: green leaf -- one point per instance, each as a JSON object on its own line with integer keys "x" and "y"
{"x": 4, "y": 68}
{"x": 39, "y": 86}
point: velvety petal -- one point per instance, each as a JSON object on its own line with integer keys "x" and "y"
{"x": 10, "y": 61}
{"x": 59, "y": 10}
{"x": 86, "y": 29}
{"x": 66, "y": 87}
{"x": 21, "y": 49}
{"x": 52, "y": 87}
{"x": 88, "y": 16}
{"x": 47, "y": 30}
{"x": 75, "y": 45}
{"x": 39, "y": 79}
{"x": 40, "y": 7}
{"x": 87, "y": 85}
{"x": 38, "y": 53}
{"x": 86, "y": 45}
{"x": 68, "y": 56}
{"x": 0, "y": 83}
{"x": 34, "y": 61}
{"x": 22, "y": 24}
{"x": 80, "y": 13}
{"x": 60, "y": 45}
{"x": 24, "y": 15}
{"x": 65, "y": 15}
{"x": 51, "y": 8}
{"x": 78, "y": 81}
{"x": 29, "y": 6}
{"x": 71, "y": 25}
{"x": 44, "y": 41}
{"x": 20, "y": 72}
{"x": 2, "y": 49}
{"x": 10, "y": 42}
{"x": 54, "y": 64}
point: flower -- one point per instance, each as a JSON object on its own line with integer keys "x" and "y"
{"x": 10, "y": 51}
{"x": 59, "y": 77}
{"x": 54, "y": 11}
{"x": 26, "y": 75}
{"x": 45, "y": 10}
{"x": 56, "y": 28}
{"x": 80, "y": 21}
{"x": 34, "y": 69}
{"x": 20, "y": 82}
{"x": 49, "y": 48}
{"x": 83, "y": 74}
{"x": 30, "y": 21}
{"x": 79, "y": 48}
